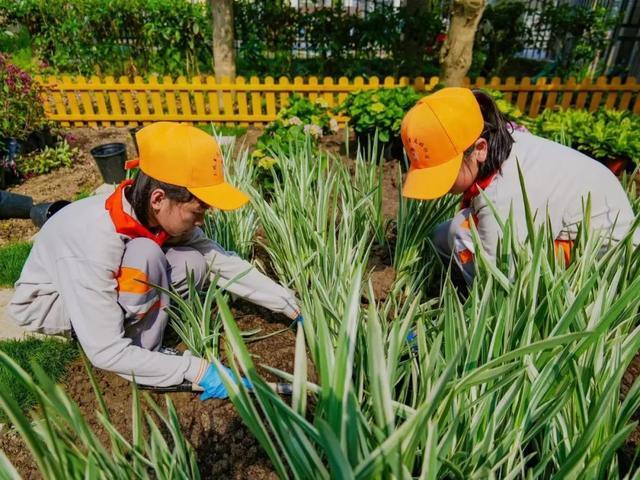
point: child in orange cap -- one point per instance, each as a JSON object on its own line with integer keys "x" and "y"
{"x": 92, "y": 264}
{"x": 459, "y": 142}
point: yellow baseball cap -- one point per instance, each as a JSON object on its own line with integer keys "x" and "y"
{"x": 185, "y": 156}
{"x": 435, "y": 133}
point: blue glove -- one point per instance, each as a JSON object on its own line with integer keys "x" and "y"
{"x": 299, "y": 319}
{"x": 212, "y": 383}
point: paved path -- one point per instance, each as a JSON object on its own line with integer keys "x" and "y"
{"x": 7, "y": 327}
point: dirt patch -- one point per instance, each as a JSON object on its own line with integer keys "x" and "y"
{"x": 224, "y": 446}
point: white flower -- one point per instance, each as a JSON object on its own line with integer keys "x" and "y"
{"x": 314, "y": 130}
{"x": 333, "y": 125}
{"x": 295, "y": 121}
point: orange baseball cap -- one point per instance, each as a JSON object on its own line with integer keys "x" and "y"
{"x": 435, "y": 134}
{"x": 185, "y": 156}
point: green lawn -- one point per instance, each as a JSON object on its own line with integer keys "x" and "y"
{"x": 52, "y": 354}
{"x": 12, "y": 258}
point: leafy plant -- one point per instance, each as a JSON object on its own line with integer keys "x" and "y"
{"x": 380, "y": 110}
{"x": 21, "y": 108}
{"x": 38, "y": 163}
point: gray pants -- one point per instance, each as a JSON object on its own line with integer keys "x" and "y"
{"x": 144, "y": 263}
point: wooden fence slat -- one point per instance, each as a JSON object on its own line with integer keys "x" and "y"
{"x": 185, "y": 101}
{"x": 625, "y": 99}
{"x": 313, "y": 82}
{"x": 270, "y": 98}
{"x": 156, "y": 98}
{"x": 129, "y": 106}
{"x": 328, "y": 95}
{"x": 536, "y": 98}
{"x": 96, "y": 101}
{"x": 523, "y": 96}
{"x": 228, "y": 93}
{"x": 242, "y": 101}
{"x": 581, "y": 98}
{"x": 198, "y": 98}
{"x": 596, "y": 98}
{"x": 256, "y": 99}
{"x": 71, "y": 98}
{"x": 567, "y": 94}
{"x": 283, "y": 83}
{"x": 552, "y": 98}
{"x": 141, "y": 98}
{"x": 509, "y": 87}
{"x": 612, "y": 96}
{"x": 85, "y": 100}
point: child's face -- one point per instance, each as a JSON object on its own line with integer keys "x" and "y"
{"x": 470, "y": 167}
{"x": 177, "y": 218}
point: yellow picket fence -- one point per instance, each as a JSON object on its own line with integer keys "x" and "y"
{"x": 107, "y": 101}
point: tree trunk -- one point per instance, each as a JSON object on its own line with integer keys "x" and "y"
{"x": 457, "y": 50}
{"x": 224, "y": 61}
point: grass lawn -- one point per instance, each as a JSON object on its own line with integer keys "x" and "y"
{"x": 52, "y": 354}
{"x": 12, "y": 258}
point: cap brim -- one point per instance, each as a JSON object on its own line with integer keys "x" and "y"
{"x": 222, "y": 196}
{"x": 432, "y": 182}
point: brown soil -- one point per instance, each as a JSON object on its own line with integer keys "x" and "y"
{"x": 225, "y": 448}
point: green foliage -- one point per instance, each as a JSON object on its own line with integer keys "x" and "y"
{"x": 578, "y": 34}
{"x": 604, "y": 135}
{"x": 12, "y": 259}
{"x": 300, "y": 121}
{"x": 380, "y": 110}
{"x": 502, "y": 34}
{"x": 44, "y": 161}
{"x": 222, "y": 130}
{"x": 21, "y": 109}
{"x": 117, "y": 37}
{"x": 52, "y": 354}
{"x": 174, "y": 37}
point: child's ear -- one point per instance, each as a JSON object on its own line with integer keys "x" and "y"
{"x": 481, "y": 150}
{"x": 156, "y": 198}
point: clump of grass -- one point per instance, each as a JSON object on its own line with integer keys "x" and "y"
{"x": 12, "y": 259}
{"x": 51, "y": 353}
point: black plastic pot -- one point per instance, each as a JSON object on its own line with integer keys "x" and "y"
{"x": 38, "y": 140}
{"x": 13, "y": 205}
{"x": 110, "y": 159}
{"x": 8, "y": 170}
{"x": 44, "y": 211}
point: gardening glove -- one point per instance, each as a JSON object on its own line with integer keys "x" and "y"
{"x": 299, "y": 319}
{"x": 212, "y": 383}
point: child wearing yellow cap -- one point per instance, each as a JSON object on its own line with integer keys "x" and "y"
{"x": 458, "y": 141}
{"x": 92, "y": 265}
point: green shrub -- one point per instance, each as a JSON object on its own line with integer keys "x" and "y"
{"x": 52, "y": 354}
{"x": 12, "y": 259}
{"x": 44, "y": 161}
{"x": 381, "y": 109}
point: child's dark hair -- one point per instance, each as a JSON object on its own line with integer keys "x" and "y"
{"x": 139, "y": 195}
{"x": 497, "y": 132}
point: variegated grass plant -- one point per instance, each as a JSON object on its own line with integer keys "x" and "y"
{"x": 520, "y": 380}
{"x": 235, "y": 230}
{"x": 63, "y": 445}
{"x": 318, "y": 227}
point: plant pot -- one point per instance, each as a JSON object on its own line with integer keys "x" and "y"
{"x": 44, "y": 211}
{"x": 110, "y": 159}
{"x": 38, "y": 140}
{"x": 13, "y": 205}
{"x": 8, "y": 168}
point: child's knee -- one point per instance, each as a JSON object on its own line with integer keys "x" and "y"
{"x": 184, "y": 261}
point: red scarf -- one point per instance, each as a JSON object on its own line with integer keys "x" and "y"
{"x": 125, "y": 224}
{"x": 474, "y": 190}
